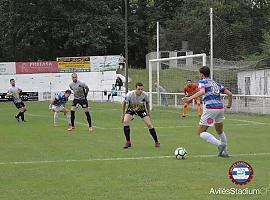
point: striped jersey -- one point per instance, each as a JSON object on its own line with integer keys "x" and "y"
{"x": 211, "y": 98}
{"x": 60, "y": 99}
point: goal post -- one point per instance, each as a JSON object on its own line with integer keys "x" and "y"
{"x": 154, "y": 64}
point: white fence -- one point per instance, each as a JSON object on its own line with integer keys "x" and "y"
{"x": 259, "y": 104}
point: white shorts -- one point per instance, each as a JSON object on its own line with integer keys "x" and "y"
{"x": 212, "y": 116}
{"x": 58, "y": 108}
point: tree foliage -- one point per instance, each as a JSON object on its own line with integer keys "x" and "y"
{"x": 46, "y": 29}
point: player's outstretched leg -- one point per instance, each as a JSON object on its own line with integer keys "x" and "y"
{"x": 152, "y": 130}
{"x": 22, "y": 114}
{"x": 126, "y": 121}
{"x": 127, "y": 135}
{"x": 223, "y": 139}
{"x": 55, "y": 118}
{"x": 185, "y": 110}
{"x": 211, "y": 139}
{"x": 18, "y": 116}
{"x": 90, "y": 128}
{"x": 72, "y": 119}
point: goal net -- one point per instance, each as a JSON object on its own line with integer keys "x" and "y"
{"x": 167, "y": 77}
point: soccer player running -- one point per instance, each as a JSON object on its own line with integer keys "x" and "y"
{"x": 14, "y": 92}
{"x": 190, "y": 89}
{"x": 138, "y": 104}
{"x": 58, "y": 105}
{"x": 80, "y": 90}
{"x": 213, "y": 110}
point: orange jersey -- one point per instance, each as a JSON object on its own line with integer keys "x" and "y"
{"x": 190, "y": 90}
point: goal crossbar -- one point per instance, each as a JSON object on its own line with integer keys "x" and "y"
{"x": 203, "y": 55}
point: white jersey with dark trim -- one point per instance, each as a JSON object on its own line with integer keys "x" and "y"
{"x": 15, "y": 91}
{"x": 78, "y": 89}
{"x": 136, "y": 102}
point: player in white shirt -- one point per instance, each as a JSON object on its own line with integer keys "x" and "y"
{"x": 138, "y": 104}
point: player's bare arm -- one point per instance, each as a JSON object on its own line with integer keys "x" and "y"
{"x": 86, "y": 90}
{"x": 229, "y": 94}
{"x": 9, "y": 94}
{"x": 194, "y": 96}
{"x": 148, "y": 108}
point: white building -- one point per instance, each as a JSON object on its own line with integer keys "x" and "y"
{"x": 255, "y": 82}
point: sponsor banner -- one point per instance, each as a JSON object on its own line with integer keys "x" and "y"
{"x": 104, "y": 63}
{"x": 82, "y": 62}
{"x": 36, "y": 67}
{"x": 7, "y": 68}
{"x": 25, "y": 96}
{"x": 71, "y": 70}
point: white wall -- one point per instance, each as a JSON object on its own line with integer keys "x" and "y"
{"x": 50, "y": 82}
{"x": 259, "y": 81}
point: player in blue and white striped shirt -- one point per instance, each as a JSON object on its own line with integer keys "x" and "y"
{"x": 213, "y": 110}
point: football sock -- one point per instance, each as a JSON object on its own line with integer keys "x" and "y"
{"x": 185, "y": 109}
{"x": 127, "y": 133}
{"x": 223, "y": 138}
{"x": 22, "y": 115}
{"x": 19, "y": 114}
{"x": 68, "y": 117}
{"x": 210, "y": 138}
{"x": 72, "y": 117}
{"x": 154, "y": 134}
{"x": 55, "y": 117}
{"x": 88, "y": 119}
{"x": 199, "y": 108}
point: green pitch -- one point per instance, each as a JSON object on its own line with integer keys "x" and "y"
{"x": 39, "y": 161}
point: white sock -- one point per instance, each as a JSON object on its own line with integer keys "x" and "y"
{"x": 223, "y": 138}
{"x": 55, "y": 117}
{"x": 68, "y": 117}
{"x": 210, "y": 138}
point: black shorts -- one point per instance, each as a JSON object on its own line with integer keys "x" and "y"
{"x": 19, "y": 105}
{"x": 141, "y": 113}
{"x": 82, "y": 102}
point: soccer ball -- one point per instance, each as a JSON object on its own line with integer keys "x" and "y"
{"x": 180, "y": 153}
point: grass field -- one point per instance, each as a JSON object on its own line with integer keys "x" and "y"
{"x": 39, "y": 161}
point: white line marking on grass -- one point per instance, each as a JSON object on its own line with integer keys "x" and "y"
{"x": 248, "y": 121}
{"x": 126, "y": 158}
{"x": 84, "y": 124}
{"x": 118, "y": 128}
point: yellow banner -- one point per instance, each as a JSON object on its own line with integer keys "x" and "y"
{"x": 74, "y": 62}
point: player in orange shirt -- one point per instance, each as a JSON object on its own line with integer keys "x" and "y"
{"x": 190, "y": 89}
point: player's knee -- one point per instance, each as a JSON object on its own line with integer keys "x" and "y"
{"x": 199, "y": 131}
{"x": 149, "y": 125}
{"x": 126, "y": 122}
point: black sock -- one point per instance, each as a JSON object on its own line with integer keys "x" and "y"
{"x": 22, "y": 116}
{"x": 127, "y": 133}
{"x": 154, "y": 134}
{"x": 72, "y": 117}
{"x": 19, "y": 114}
{"x": 88, "y": 118}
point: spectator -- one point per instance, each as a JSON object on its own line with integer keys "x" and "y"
{"x": 118, "y": 83}
{"x": 121, "y": 61}
{"x": 163, "y": 97}
{"x": 113, "y": 92}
